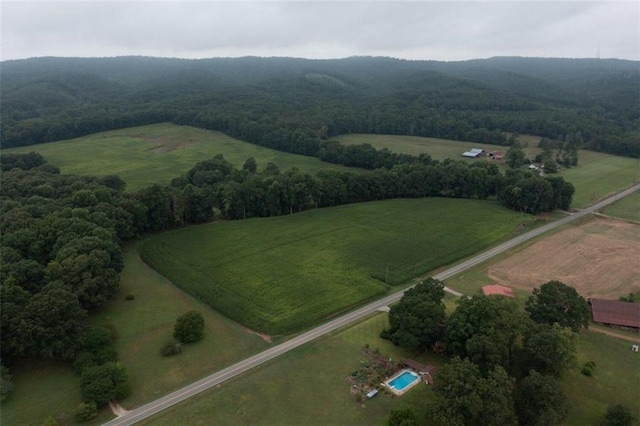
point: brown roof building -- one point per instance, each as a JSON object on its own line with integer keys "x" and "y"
{"x": 613, "y": 312}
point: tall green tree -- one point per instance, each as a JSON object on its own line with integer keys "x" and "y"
{"x": 464, "y": 396}
{"x": 539, "y": 401}
{"x": 103, "y": 383}
{"x": 189, "y": 327}
{"x": 486, "y": 330}
{"x": 417, "y": 321}
{"x": 51, "y": 324}
{"x": 550, "y": 349}
{"x": 556, "y": 302}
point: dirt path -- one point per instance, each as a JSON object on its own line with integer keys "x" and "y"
{"x": 611, "y": 332}
{"x": 117, "y": 409}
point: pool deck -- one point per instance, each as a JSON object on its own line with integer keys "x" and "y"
{"x": 400, "y": 392}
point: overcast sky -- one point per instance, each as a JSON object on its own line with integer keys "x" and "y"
{"x": 441, "y": 30}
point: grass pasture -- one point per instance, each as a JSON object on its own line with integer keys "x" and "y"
{"x": 307, "y": 386}
{"x": 628, "y": 208}
{"x": 616, "y": 379}
{"x": 299, "y": 388}
{"x": 280, "y": 274}
{"x": 157, "y": 153}
{"x": 596, "y": 176}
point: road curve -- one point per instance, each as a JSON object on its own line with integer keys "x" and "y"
{"x": 247, "y": 364}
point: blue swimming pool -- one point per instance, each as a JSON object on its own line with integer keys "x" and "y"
{"x": 403, "y": 380}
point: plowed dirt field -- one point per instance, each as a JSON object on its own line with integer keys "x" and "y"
{"x": 600, "y": 258}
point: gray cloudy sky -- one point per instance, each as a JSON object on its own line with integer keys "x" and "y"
{"x": 442, "y": 30}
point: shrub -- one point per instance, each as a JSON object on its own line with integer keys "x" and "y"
{"x": 619, "y": 415}
{"x": 86, "y": 411}
{"x": 587, "y": 368}
{"x": 130, "y": 296}
{"x": 7, "y": 383}
{"x": 170, "y": 349}
{"x": 50, "y": 421}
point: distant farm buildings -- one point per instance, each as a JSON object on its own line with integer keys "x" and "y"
{"x": 496, "y": 289}
{"x": 614, "y": 312}
{"x": 479, "y": 152}
{"x": 474, "y": 153}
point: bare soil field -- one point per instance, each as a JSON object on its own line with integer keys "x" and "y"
{"x": 600, "y": 258}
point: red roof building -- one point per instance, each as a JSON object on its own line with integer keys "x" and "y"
{"x": 614, "y": 312}
{"x": 496, "y": 289}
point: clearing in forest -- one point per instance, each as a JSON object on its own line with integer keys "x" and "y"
{"x": 157, "y": 153}
{"x": 598, "y": 257}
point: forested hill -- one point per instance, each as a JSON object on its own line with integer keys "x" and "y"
{"x": 296, "y": 104}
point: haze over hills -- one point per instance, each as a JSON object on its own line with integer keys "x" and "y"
{"x": 294, "y": 104}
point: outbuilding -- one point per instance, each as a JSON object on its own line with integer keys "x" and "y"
{"x": 496, "y": 289}
{"x": 616, "y": 313}
{"x": 474, "y": 153}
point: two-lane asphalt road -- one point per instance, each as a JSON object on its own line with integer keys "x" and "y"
{"x": 245, "y": 365}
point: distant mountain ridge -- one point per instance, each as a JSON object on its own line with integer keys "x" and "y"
{"x": 294, "y": 104}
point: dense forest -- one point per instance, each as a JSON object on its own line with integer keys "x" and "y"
{"x": 295, "y": 105}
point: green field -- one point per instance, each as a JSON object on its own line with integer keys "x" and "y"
{"x": 596, "y": 176}
{"x": 157, "y": 153}
{"x": 143, "y": 325}
{"x": 628, "y": 208}
{"x": 616, "y": 379}
{"x": 281, "y": 274}
{"x": 306, "y": 386}
{"x": 298, "y": 388}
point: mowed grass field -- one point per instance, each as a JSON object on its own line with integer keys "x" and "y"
{"x": 278, "y": 275}
{"x": 628, "y": 208}
{"x": 596, "y": 176}
{"x": 308, "y": 385}
{"x": 44, "y": 389}
{"x": 157, "y": 153}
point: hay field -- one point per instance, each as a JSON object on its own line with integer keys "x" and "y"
{"x": 600, "y": 258}
{"x": 157, "y": 153}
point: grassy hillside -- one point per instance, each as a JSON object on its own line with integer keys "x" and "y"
{"x": 596, "y": 176}
{"x": 158, "y": 153}
{"x": 280, "y": 274}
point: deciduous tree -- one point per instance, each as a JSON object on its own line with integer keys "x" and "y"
{"x": 189, "y": 327}
{"x": 540, "y": 401}
{"x": 557, "y": 302}
{"x": 417, "y": 320}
